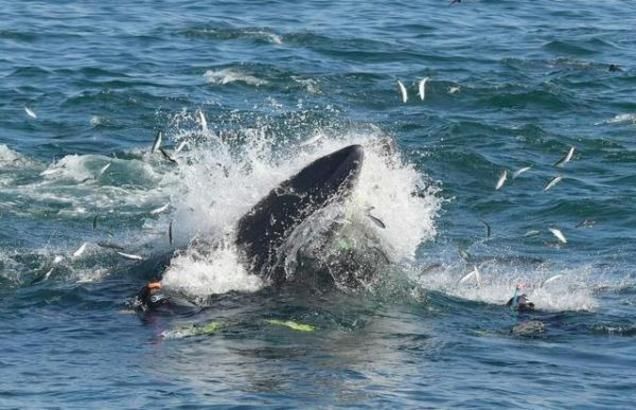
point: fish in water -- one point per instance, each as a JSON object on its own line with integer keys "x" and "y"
{"x": 566, "y": 158}
{"x": 422, "y": 88}
{"x": 167, "y": 156}
{"x": 160, "y": 209}
{"x": 130, "y": 256}
{"x": 520, "y": 171}
{"x": 80, "y": 250}
{"x": 474, "y": 273}
{"x": 157, "y": 143}
{"x": 30, "y": 113}
{"x": 202, "y": 121}
{"x": 403, "y": 92}
{"x": 558, "y": 234}
{"x": 502, "y": 180}
{"x": 104, "y": 169}
{"x": 552, "y": 183}
{"x": 376, "y": 220}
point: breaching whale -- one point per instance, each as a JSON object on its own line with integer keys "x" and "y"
{"x": 263, "y": 231}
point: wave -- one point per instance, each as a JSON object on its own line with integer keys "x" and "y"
{"x": 231, "y": 75}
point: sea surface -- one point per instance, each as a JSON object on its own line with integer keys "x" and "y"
{"x": 245, "y": 93}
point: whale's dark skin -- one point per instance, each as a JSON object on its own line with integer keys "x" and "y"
{"x": 269, "y": 223}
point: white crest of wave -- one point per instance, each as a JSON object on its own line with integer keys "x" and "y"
{"x": 231, "y": 75}
{"x": 573, "y": 290}
{"x": 620, "y": 119}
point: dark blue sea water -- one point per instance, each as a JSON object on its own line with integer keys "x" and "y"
{"x": 256, "y": 90}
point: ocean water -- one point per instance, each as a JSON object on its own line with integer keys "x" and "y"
{"x": 251, "y": 92}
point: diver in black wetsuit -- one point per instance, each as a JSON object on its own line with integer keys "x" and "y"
{"x": 520, "y": 303}
{"x": 150, "y": 296}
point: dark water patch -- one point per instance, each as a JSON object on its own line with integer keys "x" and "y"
{"x": 575, "y": 48}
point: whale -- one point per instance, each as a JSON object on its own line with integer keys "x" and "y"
{"x": 263, "y": 230}
{"x": 263, "y": 233}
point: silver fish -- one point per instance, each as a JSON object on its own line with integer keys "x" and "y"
{"x": 104, "y": 168}
{"x": 30, "y": 113}
{"x": 566, "y": 158}
{"x": 520, "y": 171}
{"x": 553, "y": 182}
{"x": 202, "y": 121}
{"x": 157, "y": 143}
{"x": 550, "y": 279}
{"x": 377, "y": 221}
{"x": 502, "y": 179}
{"x": 80, "y": 250}
{"x": 473, "y": 273}
{"x": 130, "y": 256}
{"x": 160, "y": 209}
{"x": 422, "y": 88}
{"x": 405, "y": 95}
{"x": 558, "y": 234}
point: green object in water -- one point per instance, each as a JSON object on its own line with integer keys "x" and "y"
{"x": 301, "y": 327}
{"x": 208, "y": 328}
{"x": 192, "y": 330}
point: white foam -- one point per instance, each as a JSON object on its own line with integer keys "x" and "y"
{"x": 573, "y": 291}
{"x": 231, "y": 75}
{"x": 620, "y": 119}
{"x": 203, "y": 276}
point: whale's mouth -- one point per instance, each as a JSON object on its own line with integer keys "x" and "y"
{"x": 263, "y": 230}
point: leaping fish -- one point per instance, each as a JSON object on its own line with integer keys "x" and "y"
{"x": 160, "y": 209}
{"x": 422, "y": 88}
{"x": 104, "y": 168}
{"x": 202, "y": 120}
{"x": 502, "y": 179}
{"x": 550, "y": 279}
{"x": 558, "y": 234}
{"x": 473, "y": 273}
{"x": 553, "y": 182}
{"x": 405, "y": 95}
{"x": 566, "y": 158}
{"x": 30, "y": 113}
{"x": 376, "y": 220}
{"x": 521, "y": 171}
{"x": 130, "y": 256}
{"x": 80, "y": 250}
{"x": 167, "y": 156}
{"x": 157, "y": 143}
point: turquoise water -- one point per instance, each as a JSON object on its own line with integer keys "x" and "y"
{"x": 258, "y": 89}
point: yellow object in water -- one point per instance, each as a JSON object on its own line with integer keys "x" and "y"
{"x": 301, "y": 327}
